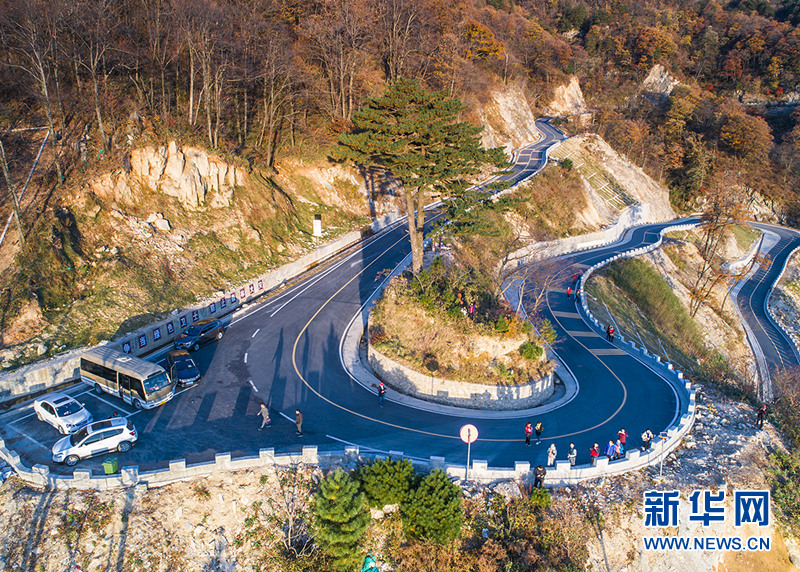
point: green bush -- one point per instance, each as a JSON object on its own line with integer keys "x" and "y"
{"x": 502, "y": 324}
{"x": 433, "y": 511}
{"x": 540, "y": 497}
{"x": 785, "y": 483}
{"x": 531, "y": 351}
{"x": 340, "y": 520}
{"x": 386, "y": 481}
{"x": 547, "y": 331}
{"x": 567, "y": 164}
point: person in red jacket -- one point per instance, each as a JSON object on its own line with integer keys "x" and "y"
{"x": 594, "y": 452}
{"x": 528, "y": 432}
{"x": 622, "y": 436}
{"x": 569, "y": 291}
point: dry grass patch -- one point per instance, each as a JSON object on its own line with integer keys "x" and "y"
{"x": 427, "y": 334}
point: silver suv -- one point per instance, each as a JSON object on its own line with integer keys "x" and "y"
{"x": 114, "y": 434}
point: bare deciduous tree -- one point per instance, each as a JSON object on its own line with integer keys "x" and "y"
{"x": 30, "y": 37}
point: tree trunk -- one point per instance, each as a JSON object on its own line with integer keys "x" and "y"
{"x": 97, "y": 109}
{"x": 414, "y": 233}
{"x": 15, "y": 199}
{"x": 191, "y": 87}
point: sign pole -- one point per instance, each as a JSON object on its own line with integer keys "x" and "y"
{"x": 469, "y": 444}
{"x": 468, "y": 434}
{"x": 663, "y": 437}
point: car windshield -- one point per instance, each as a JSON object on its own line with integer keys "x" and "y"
{"x": 78, "y": 436}
{"x": 68, "y": 409}
{"x": 193, "y": 331}
{"x": 185, "y": 365}
{"x": 156, "y": 382}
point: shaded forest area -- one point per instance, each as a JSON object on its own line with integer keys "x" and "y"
{"x": 255, "y": 78}
{"x": 258, "y": 81}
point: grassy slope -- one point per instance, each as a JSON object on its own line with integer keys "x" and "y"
{"x": 88, "y": 292}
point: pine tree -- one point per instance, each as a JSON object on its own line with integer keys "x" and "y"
{"x": 386, "y": 481}
{"x": 433, "y": 510}
{"x": 414, "y": 134}
{"x": 341, "y": 518}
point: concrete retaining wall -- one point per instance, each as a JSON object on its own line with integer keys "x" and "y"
{"x": 456, "y": 393}
{"x": 53, "y": 372}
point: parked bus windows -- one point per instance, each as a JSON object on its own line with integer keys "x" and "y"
{"x": 99, "y": 370}
{"x": 141, "y": 383}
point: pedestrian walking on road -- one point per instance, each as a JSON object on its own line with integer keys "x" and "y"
{"x": 762, "y": 413}
{"x": 569, "y": 292}
{"x": 622, "y": 436}
{"x": 381, "y": 393}
{"x": 264, "y": 413}
{"x": 551, "y": 455}
{"x": 610, "y": 333}
{"x": 539, "y": 428}
{"x": 609, "y": 450}
{"x": 572, "y": 455}
{"x": 594, "y": 452}
{"x": 528, "y": 432}
{"x": 298, "y": 420}
{"x": 539, "y": 474}
{"x": 647, "y": 437}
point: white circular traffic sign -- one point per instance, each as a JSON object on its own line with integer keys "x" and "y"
{"x": 469, "y": 433}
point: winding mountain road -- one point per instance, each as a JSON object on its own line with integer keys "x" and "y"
{"x": 286, "y": 352}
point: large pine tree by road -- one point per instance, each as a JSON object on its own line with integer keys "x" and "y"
{"x": 415, "y": 135}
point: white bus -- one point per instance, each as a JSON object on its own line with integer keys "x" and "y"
{"x": 138, "y": 382}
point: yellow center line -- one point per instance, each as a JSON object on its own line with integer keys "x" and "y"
{"x": 333, "y": 403}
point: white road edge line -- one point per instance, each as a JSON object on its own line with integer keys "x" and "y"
{"x": 253, "y": 385}
{"x": 286, "y": 416}
{"x": 115, "y": 405}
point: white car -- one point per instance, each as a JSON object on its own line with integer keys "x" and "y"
{"x": 114, "y": 434}
{"x": 62, "y": 412}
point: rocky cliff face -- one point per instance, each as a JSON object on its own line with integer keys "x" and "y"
{"x": 568, "y": 99}
{"x": 508, "y": 120}
{"x": 659, "y": 83}
{"x": 196, "y": 178}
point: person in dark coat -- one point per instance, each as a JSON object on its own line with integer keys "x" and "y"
{"x": 572, "y": 455}
{"x": 381, "y": 393}
{"x": 538, "y": 476}
{"x": 298, "y": 420}
{"x": 762, "y": 413}
{"x": 647, "y": 437}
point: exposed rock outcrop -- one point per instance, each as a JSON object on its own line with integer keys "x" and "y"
{"x": 568, "y": 99}
{"x": 659, "y": 83}
{"x": 189, "y": 174}
{"x": 508, "y": 120}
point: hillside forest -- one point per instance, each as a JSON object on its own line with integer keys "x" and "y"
{"x": 264, "y": 82}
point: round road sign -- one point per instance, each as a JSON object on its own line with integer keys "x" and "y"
{"x": 469, "y": 433}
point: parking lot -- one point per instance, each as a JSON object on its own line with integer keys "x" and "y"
{"x": 34, "y": 439}
{"x": 216, "y": 415}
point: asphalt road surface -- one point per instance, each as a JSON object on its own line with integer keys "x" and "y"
{"x": 286, "y": 352}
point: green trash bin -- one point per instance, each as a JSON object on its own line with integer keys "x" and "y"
{"x": 110, "y": 465}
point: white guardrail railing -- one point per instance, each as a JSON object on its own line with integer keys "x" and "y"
{"x": 562, "y": 474}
